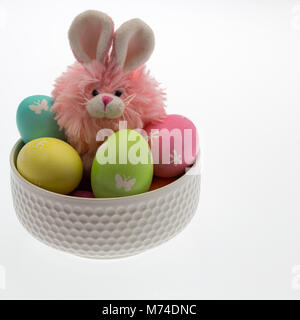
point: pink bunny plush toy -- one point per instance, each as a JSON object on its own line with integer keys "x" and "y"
{"x": 108, "y": 83}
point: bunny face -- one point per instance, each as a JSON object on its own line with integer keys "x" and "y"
{"x": 105, "y": 105}
{"x": 108, "y": 83}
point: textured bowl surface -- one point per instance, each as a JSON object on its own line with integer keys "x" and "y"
{"x": 105, "y": 228}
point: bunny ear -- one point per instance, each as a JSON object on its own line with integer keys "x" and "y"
{"x": 133, "y": 44}
{"x": 90, "y": 36}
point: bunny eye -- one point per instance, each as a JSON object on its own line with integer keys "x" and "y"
{"x": 118, "y": 93}
{"x": 95, "y": 92}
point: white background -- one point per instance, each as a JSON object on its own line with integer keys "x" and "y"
{"x": 233, "y": 68}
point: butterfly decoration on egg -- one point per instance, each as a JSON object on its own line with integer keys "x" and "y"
{"x": 40, "y": 143}
{"x": 38, "y": 106}
{"x": 126, "y": 182}
{"x": 176, "y": 158}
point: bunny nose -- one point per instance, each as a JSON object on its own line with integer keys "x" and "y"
{"x": 106, "y": 100}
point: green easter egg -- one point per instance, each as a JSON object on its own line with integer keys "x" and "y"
{"x": 36, "y": 120}
{"x": 122, "y": 166}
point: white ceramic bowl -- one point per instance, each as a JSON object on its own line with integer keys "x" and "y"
{"x": 104, "y": 228}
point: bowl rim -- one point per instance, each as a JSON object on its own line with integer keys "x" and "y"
{"x": 65, "y": 196}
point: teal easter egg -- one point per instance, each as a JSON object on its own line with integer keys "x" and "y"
{"x": 36, "y": 120}
{"x": 122, "y": 166}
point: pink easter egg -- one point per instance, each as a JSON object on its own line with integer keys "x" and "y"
{"x": 173, "y": 143}
{"x": 82, "y": 194}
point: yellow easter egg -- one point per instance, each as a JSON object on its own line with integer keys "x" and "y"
{"x": 51, "y": 164}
